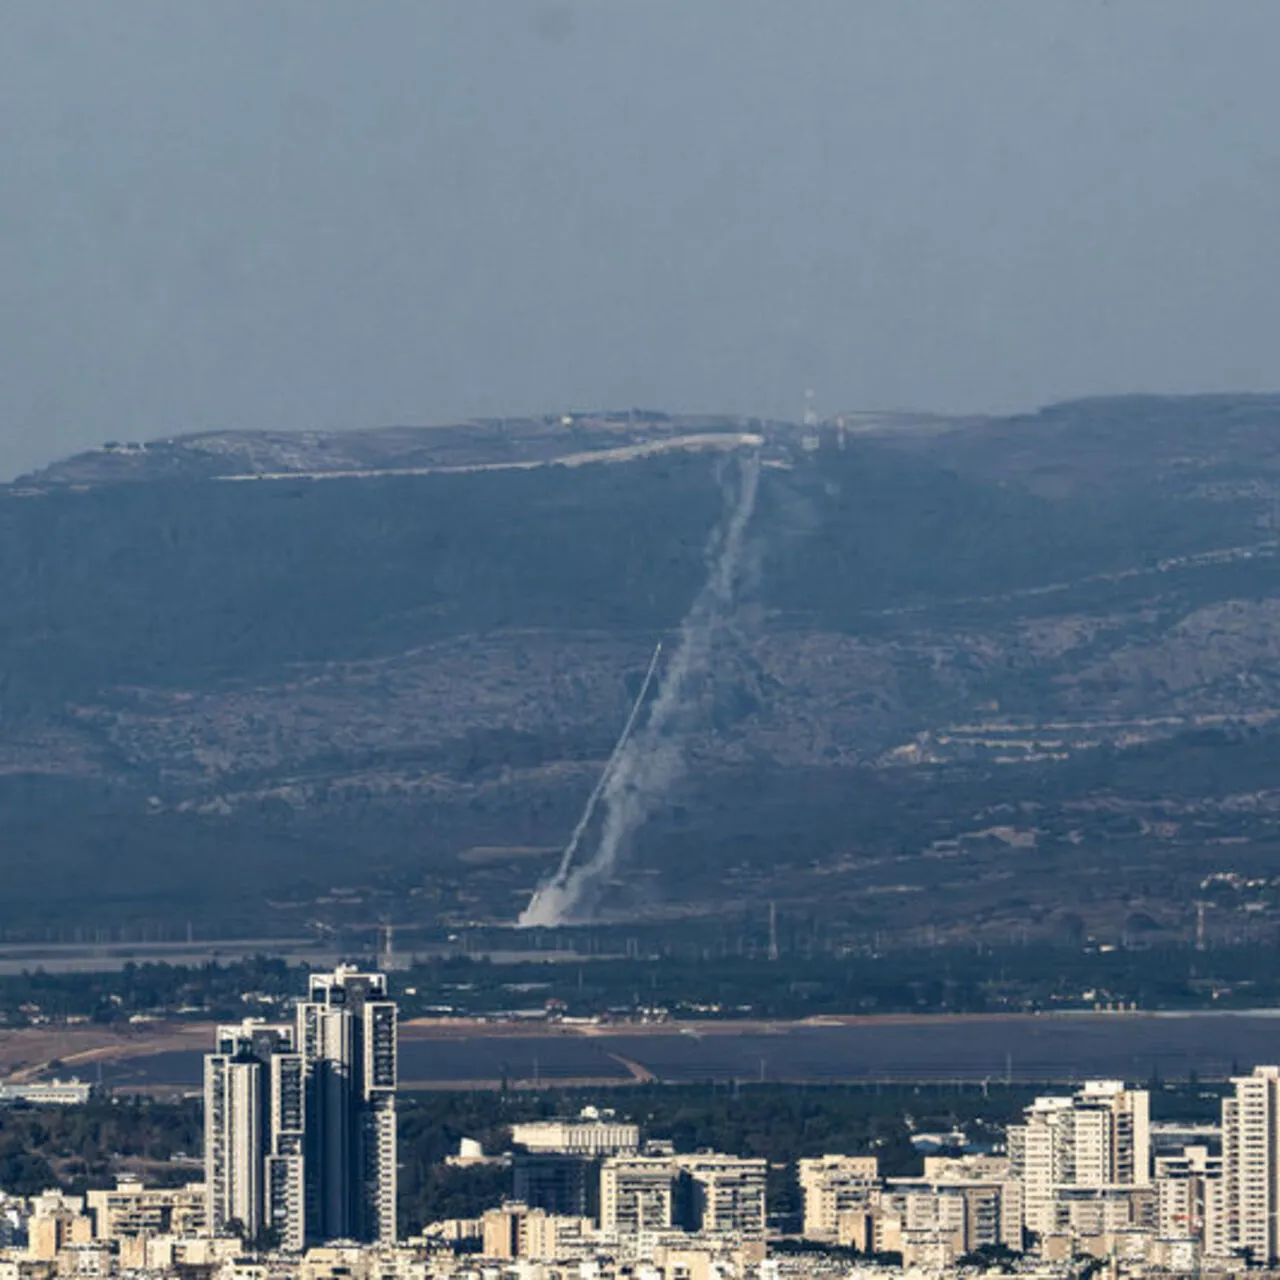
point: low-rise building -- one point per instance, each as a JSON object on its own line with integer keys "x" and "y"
{"x": 563, "y": 1184}
{"x": 1104, "y": 1211}
{"x": 87, "y": 1258}
{"x": 591, "y": 1134}
{"x": 131, "y": 1209}
{"x": 516, "y": 1231}
{"x": 934, "y": 1224}
{"x": 832, "y": 1186}
{"x": 48, "y": 1093}
{"x": 57, "y": 1221}
{"x": 721, "y": 1195}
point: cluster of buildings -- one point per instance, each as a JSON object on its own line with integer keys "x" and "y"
{"x": 589, "y": 1183}
{"x": 300, "y": 1184}
{"x": 300, "y": 1162}
{"x": 1084, "y": 1174}
{"x": 595, "y": 1170}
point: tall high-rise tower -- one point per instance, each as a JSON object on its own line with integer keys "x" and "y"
{"x": 254, "y": 1119}
{"x": 300, "y": 1121}
{"x": 1251, "y": 1164}
{"x": 347, "y": 1038}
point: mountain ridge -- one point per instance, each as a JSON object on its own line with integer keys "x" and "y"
{"x": 410, "y": 661}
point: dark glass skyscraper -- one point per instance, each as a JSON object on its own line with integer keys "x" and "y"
{"x": 347, "y": 1037}
{"x": 300, "y": 1121}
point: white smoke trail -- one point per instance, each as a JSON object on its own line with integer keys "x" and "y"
{"x": 650, "y": 761}
{"x": 566, "y": 860}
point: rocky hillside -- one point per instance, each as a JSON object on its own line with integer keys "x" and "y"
{"x": 403, "y": 680}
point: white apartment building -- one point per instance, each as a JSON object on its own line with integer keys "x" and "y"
{"x": 1112, "y": 1135}
{"x": 1097, "y": 1137}
{"x": 1189, "y": 1198}
{"x": 961, "y": 1204}
{"x": 934, "y": 1220}
{"x": 993, "y": 1196}
{"x": 516, "y": 1231}
{"x": 926, "y": 1226}
{"x": 1217, "y": 1223}
{"x": 1251, "y": 1165}
{"x": 130, "y": 1210}
{"x": 238, "y": 1130}
{"x": 710, "y": 1193}
{"x": 284, "y": 1188}
{"x": 636, "y": 1195}
{"x": 1104, "y": 1211}
{"x": 589, "y": 1136}
{"x": 57, "y": 1220}
{"x": 1040, "y": 1156}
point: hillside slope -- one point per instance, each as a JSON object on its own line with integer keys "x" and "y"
{"x": 403, "y": 680}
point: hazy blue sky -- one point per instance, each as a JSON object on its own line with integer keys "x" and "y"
{"x": 264, "y": 213}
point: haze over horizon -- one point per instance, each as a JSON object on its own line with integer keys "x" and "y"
{"x": 310, "y": 215}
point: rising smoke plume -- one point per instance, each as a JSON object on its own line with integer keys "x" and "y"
{"x": 645, "y": 764}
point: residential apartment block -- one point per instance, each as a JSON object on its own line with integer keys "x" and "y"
{"x": 835, "y": 1187}
{"x": 1097, "y": 1137}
